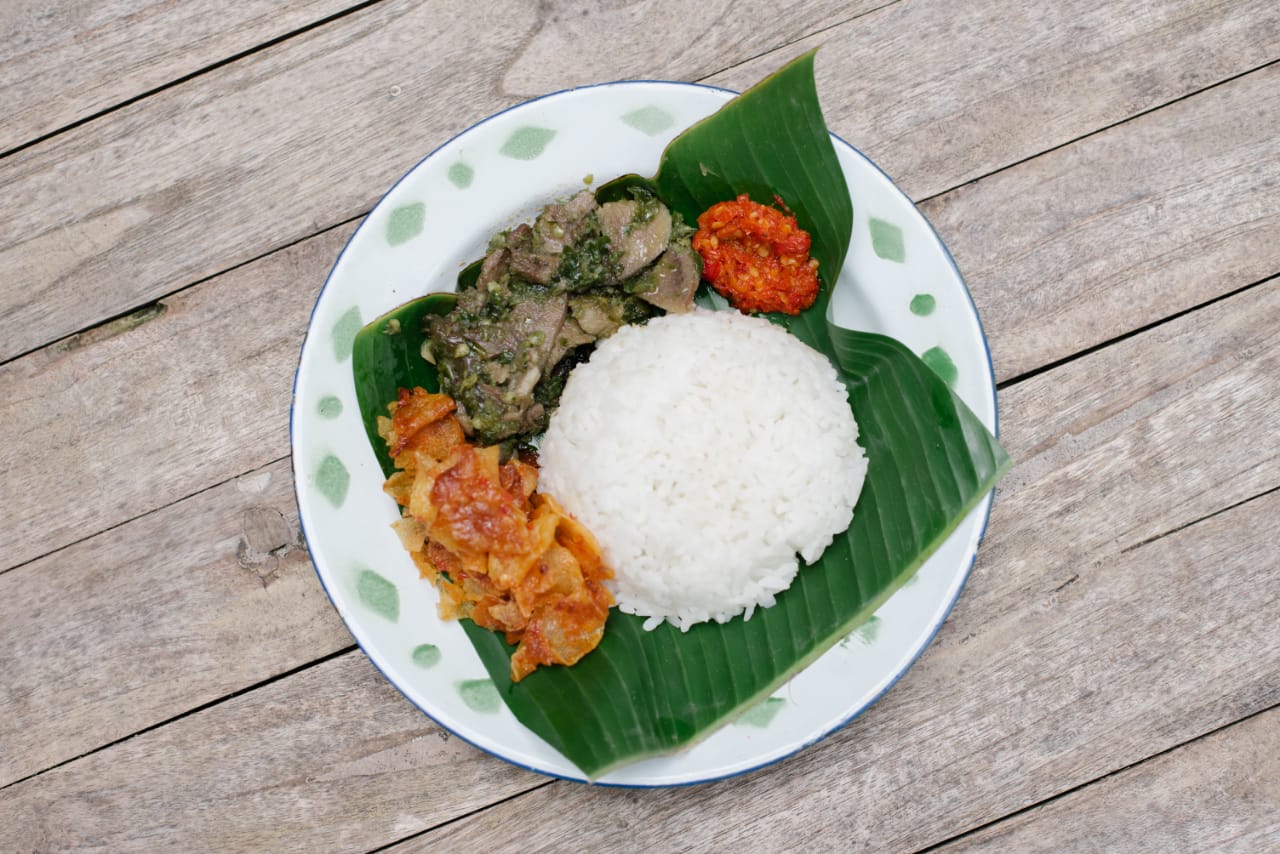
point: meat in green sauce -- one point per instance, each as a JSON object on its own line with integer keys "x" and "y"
{"x": 544, "y": 294}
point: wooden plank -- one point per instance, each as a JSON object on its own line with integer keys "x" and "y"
{"x": 157, "y": 617}
{"x": 939, "y": 94}
{"x": 661, "y": 40}
{"x": 213, "y": 172}
{"x": 254, "y": 155}
{"x": 1177, "y": 386}
{"x": 1086, "y": 243}
{"x": 156, "y": 406}
{"x": 1016, "y": 700}
{"x": 1019, "y": 697}
{"x": 1217, "y": 793}
{"x": 299, "y": 762}
{"x": 63, "y": 61}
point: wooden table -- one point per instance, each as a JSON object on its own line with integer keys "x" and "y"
{"x": 180, "y": 176}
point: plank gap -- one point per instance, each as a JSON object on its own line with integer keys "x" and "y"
{"x": 1064, "y": 793}
{"x": 1103, "y": 129}
{"x": 158, "y": 303}
{"x": 150, "y": 512}
{"x": 782, "y": 47}
{"x": 485, "y": 808}
{"x": 1102, "y": 345}
{"x": 1219, "y": 512}
{"x": 190, "y": 76}
{"x": 262, "y": 683}
{"x": 113, "y": 326}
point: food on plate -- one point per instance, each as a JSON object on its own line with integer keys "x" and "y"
{"x": 541, "y": 301}
{"x": 757, "y": 257}
{"x": 544, "y": 293}
{"x": 500, "y": 553}
{"x": 725, "y": 443}
{"x": 704, "y": 451}
{"x": 642, "y": 694}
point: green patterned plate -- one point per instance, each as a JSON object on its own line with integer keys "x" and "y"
{"x": 898, "y": 280}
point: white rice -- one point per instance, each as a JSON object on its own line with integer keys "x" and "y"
{"x": 704, "y": 451}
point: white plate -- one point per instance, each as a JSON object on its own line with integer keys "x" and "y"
{"x": 898, "y": 280}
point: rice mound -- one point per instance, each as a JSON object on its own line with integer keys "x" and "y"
{"x": 704, "y": 451}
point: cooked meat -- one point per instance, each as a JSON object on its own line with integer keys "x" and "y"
{"x": 491, "y": 368}
{"x": 536, "y": 251}
{"x": 600, "y": 313}
{"x": 571, "y": 337}
{"x": 563, "y": 225}
{"x": 638, "y": 232}
{"x": 495, "y": 265}
{"x": 545, "y": 292}
{"x": 529, "y": 260}
{"x": 671, "y": 282}
{"x": 593, "y": 316}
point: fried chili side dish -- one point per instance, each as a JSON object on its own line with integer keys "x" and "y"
{"x": 757, "y": 257}
{"x": 501, "y": 554}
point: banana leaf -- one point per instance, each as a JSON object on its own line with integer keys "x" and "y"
{"x": 930, "y": 462}
{"x": 387, "y": 356}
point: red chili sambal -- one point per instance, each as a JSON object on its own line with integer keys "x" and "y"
{"x": 757, "y": 257}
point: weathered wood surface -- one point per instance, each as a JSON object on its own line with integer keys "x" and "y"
{"x": 120, "y": 212}
{"x": 1181, "y": 657}
{"x": 266, "y": 157}
{"x": 63, "y": 61}
{"x": 297, "y": 763}
{"x": 1216, "y": 235}
{"x": 171, "y": 674}
{"x": 143, "y": 622}
{"x": 158, "y": 405}
{"x": 1221, "y": 791}
{"x": 941, "y": 93}
{"x": 1124, "y": 227}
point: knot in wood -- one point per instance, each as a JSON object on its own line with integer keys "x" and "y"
{"x": 266, "y": 536}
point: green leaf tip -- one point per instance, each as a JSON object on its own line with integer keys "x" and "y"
{"x": 770, "y": 140}
{"x": 387, "y": 356}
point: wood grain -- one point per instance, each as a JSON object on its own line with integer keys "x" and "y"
{"x": 1020, "y": 696}
{"x": 154, "y": 618}
{"x": 155, "y": 406}
{"x": 1218, "y": 793}
{"x": 253, "y": 155}
{"x": 1025, "y": 255}
{"x": 594, "y": 42}
{"x": 299, "y": 763}
{"x": 172, "y": 675}
{"x": 1144, "y": 220}
{"x": 1180, "y": 386}
{"x": 939, "y": 94}
{"x": 65, "y": 60}
{"x": 101, "y": 400}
